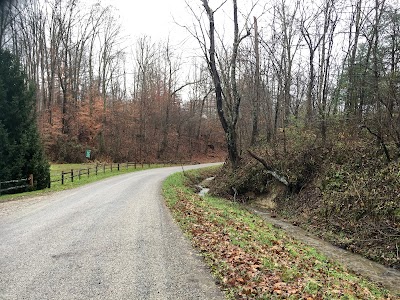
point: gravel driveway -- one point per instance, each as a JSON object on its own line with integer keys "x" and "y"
{"x": 113, "y": 239}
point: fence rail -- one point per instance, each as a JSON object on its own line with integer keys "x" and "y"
{"x": 72, "y": 174}
{"x": 28, "y": 183}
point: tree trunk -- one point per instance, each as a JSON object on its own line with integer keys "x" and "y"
{"x": 257, "y": 79}
{"x": 229, "y": 127}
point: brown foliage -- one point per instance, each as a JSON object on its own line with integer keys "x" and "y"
{"x": 130, "y": 130}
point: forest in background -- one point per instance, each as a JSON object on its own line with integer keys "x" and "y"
{"x": 303, "y": 63}
{"x": 87, "y": 97}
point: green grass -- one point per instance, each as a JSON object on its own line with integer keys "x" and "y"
{"x": 252, "y": 259}
{"x": 55, "y": 174}
{"x": 56, "y": 169}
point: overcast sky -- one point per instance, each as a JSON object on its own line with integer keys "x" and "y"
{"x": 153, "y": 18}
{"x": 157, "y": 19}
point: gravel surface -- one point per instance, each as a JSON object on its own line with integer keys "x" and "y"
{"x": 113, "y": 239}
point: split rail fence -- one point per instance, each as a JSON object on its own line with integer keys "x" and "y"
{"x": 74, "y": 174}
{"x": 17, "y": 184}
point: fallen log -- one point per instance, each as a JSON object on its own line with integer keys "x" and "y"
{"x": 269, "y": 169}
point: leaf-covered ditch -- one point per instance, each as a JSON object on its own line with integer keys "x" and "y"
{"x": 250, "y": 258}
{"x": 344, "y": 190}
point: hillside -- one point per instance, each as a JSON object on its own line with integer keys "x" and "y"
{"x": 345, "y": 191}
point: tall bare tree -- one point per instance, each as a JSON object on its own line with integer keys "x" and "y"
{"x": 228, "y": 101}
{"x": 257, "y": 87}
{"x": 309, "y": 31}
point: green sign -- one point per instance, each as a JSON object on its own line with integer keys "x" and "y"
{"x": 88, "y": 153}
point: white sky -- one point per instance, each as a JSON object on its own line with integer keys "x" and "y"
{"x": 154, "y": 18}
{"x": 158, "y": 19}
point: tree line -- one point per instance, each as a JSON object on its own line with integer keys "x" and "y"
{"x": 94, "y": 91}
{"x": 308, "y": 63}
{"x": 261, "y": 68}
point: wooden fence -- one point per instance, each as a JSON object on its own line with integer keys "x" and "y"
{"x": 17, "y": 184}
{"x": 72, "y": 174}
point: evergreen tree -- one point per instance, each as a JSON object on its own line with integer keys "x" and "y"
{"x": 21, "y": 151}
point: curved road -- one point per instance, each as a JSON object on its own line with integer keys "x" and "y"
{"x": 113, "y": 239}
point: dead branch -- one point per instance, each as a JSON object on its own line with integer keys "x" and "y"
{"x": 380, "y": 141}
{"x": 269, "y": 169}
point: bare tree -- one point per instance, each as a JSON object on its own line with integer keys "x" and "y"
{"x": 228, "y": 103}
{"x": 145, "y": 66}
{"x": 170, "y": 77}
{"x": 313, "y": 40}
{"x": 330, "y": 21}
{"x": 8, "y": 12}
{"x": 257, "y": 86}
{"x": 355, "y": 24}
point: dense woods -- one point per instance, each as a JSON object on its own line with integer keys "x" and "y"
{"x": 281, "y": 64}
{"x": 88, "y": 97}
{"x": 308, "y": 64}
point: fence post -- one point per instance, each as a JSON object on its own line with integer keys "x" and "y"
{"x": 127, "y": 165}
{"x": 111, "y": 167}
{"x": 96, "y": 168}
{"x": 88, "y": 171}
{"x": 62, "y": 177}
{"x": 118, "y": 167}
{"x": 30, "y": 178}
{"x": 104, "y": 167}
{"x": 72, "y": 175}
{"x": 135, "y": 165}
{"x": 79, "y": 174}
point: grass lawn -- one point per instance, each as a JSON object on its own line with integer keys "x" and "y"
{"x": 251, "y": 259}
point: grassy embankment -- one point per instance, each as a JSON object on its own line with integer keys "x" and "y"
{"x": 55, "y": 174}
{"x": 345, "y": 189}
{"x": 251, "y": 259}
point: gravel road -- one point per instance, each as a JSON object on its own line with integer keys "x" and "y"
{"x": 113, "y": 239}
